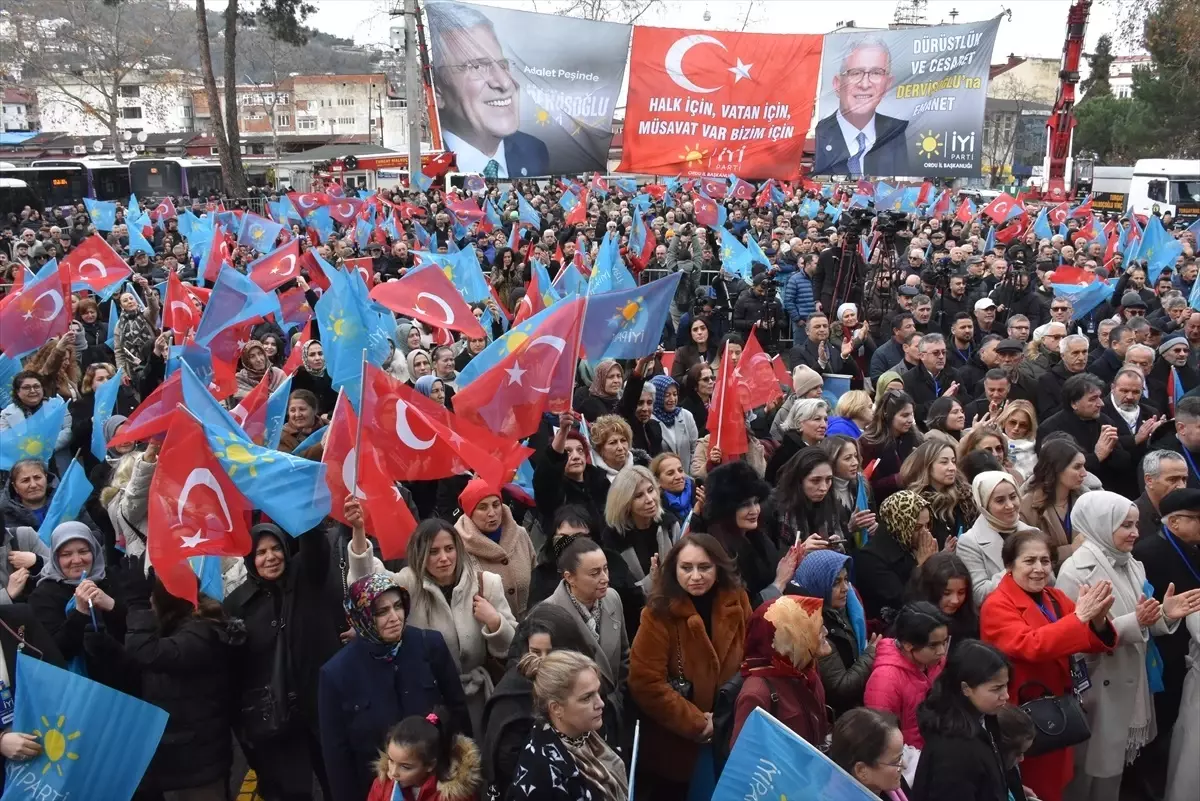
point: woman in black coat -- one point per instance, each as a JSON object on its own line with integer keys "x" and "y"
{"x": 83, "y": 410}
{"x": 284, "y": 597}
{"x": 312, "y": 375}
{"x": 637, "y": 407}
{"x": 91, "y": 334}
{"x": 885, "y": 565}
{"x": 508, "y": 715}
{"x": 81, "y": 608}
{"x": 186, "y": 656}
{"x": 564, "y": 474}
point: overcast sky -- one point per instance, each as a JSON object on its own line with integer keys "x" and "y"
{"x": 1037, "y": 27}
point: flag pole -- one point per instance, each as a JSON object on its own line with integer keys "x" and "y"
{"x": 721, "y": 408}
{"x": 362, "y": 373}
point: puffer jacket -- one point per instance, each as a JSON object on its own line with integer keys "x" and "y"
{"x": 899, "y": 686}
{"x": 798, "y": 299}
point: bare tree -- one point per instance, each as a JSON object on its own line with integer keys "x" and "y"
{"x": 80, "y": 53}
{"x": 1009, "y": 98}
{"x": 625, "y": 11}
{"x": 263, "y": 60}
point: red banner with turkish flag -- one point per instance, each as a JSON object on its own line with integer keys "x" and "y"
{"x": 718, "y": 102}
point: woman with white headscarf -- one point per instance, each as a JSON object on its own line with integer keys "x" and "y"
{"x": 999, "y": 502}
{"x": 1119, "y": 706}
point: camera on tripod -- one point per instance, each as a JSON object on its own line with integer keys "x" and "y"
{"x": 889, "y": 223}
{"x": 857, "y": 219}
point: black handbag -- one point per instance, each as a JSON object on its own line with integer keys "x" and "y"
{"x": 265, "y": 712}
{"x": 1059, "y": 720}
{"x": 678, "y": 682}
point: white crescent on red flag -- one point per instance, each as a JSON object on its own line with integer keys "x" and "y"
{"x": 277, "y": 267}
{"x": 95, "y": 263}
{"x": 429, "y": 296}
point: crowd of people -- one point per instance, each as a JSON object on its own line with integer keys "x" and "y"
{"x": 995, "y": 529}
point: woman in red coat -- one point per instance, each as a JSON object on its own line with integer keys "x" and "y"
{"x": 1039, "y": 628}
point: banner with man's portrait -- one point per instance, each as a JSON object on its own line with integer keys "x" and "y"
{"x": 521, "y": 94}
{"x": 904, "y": 102}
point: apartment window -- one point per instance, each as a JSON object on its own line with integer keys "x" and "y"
{"x": 131, "y": 91}
{"x": 345, "y": 120}
{"x": 396, "y": 103}
{"x": 306, "y": 124}
{"x": 345, "y": 101}
{"x": 131, "y": 113}
{"x": 283, "y": 120}
{"x": 214, "y": 151}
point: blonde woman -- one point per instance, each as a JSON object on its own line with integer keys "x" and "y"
{"x": 638, "y": 527}
{"x": 1018, "y": 421}
{"x": 852, "y": 414}
{"x": 931, "y": 471}
{"x": 987, "y": 437}
{"x": 450, "y": 595}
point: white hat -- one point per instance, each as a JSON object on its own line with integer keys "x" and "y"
{"x": 984, "y": 303}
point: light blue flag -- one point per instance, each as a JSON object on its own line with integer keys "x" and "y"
{"x": 259, "y": 232}
{"x": 608, "y": 273}
{"x": 235, "y": 299}
{"x": 73, "y": 489}
{"x": 833, "y": 211}
{"x": 735, "y": 258}
{"x": 106, "y": 401}
{"x": 351, "y": 325}
{"x": 467, "y": 275}
{"x": 859, "y": 201}
{"x": 1086, "y": 297}
{"x": 362, "y": 233}
{"x": 769, "y": 761}
{"x": 526, "y": 213}
{"x": 990, "y": 241}
{"x": 277, "y": 404}
{"x": 288, "y": 489}
{"x": 755, "y": 252}
{"x": 571, "y": 282}
{"x": 568, "y": 201}
{"x": 137, "y": 242}
{"x": 310, "y": 440}
{"x": 201, "y": 403}
{"x": 322, "y": 222}
{"x": 1158, "y": 248}
{"x": 882, "y": 190}
{"x": 95, "y": 742}
{"x": 627, "y": 185}
{"x": 1041, "y": 226}
{"x": 8, "y": 371}
{"x": 422, "y": 236}
{"x": 628, "y": 324}
{"x": 1194, "y": 228}
{"x": 423, "y": 182}
{"x": 35, "y": 436}
{"x": 550, "y": 295}
{"x": 114, "y": 315}
{"x": 208, "y": 576}
{"x": 641, "y": 202}
{"x": 135, "y": 209}
{"x": 102, "y": 212}
{"x": 1101, "y": 238}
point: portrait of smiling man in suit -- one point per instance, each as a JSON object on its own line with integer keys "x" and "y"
{"x": 478, "y": 97}
{"x": 856, "y": 140}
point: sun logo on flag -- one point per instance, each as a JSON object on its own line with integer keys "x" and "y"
{"x": 513, "y": 341}
{"x": 241, "y": 456}
{"x": 930, "y": 144}
{"x": 541, "y": 116}
{"x": 694, "y": 155}
{"x": 341, "y": 326}
{"x": 257, "y": 232}
{"x": 628, "y": 313}
{"x": 55, "y": 744}
{"x": 32, "y": 447}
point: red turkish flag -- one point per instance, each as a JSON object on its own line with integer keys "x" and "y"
{"x": 296, "y": 357}
{"x": 756, "y": 379}
{"x": 578, "y": 214}
{"x": 220, "y": 251}
{"x": 95, "y": 263}
{"x": 1084, "y": 209}
{"x": 422, "y": 440}
{"x": 692, "y": 92}
{"x": 781, "y": 373}
{"x": 388, "y": 518}
{"x": 364, "y": 267}
{"x": 964, "y": 214}
{"x": 1058, "y": 214}
{"x": 312, "y": 268}
{"x": 304, "y": 202}
{"x": 439, "y": 165}
{"x": 1014, "y": 230}
{"x": 179, "y": 311}
{"x": 429, "y": 296}
{"x": 153, "y": 415}
{"x": 1001, "y": 207}
{"x": 714, "y": 188}
{"x": 277, "y": 267}
{"x": 706, "y": 211}
{"x": 344, "y": 209}
{"x": 164, "y": 210}
{"x": 726, "y": 415}
{"x": 195, "y": 510}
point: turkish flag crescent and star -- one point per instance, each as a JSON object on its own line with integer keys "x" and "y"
{"x": 719, "y": 103}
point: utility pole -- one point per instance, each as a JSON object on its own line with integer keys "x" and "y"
{"x": 413, "y": 89}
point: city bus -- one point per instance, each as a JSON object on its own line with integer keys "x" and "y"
{"x": 159, "y": 177}
{"x": 56, "y": 186}
{"x": 106, "y": 179}
{"x": 1166, "y": 185}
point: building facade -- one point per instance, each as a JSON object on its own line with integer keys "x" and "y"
{"x": 19, "y": 110}
{"x": 1120, "y": 73}
{"x": 153, "y": 102}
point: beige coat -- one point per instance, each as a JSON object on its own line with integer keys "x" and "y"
{"x": 511, "y": 559}
{"x": 1118, "y": 675}
{"x": 468, "y": 640}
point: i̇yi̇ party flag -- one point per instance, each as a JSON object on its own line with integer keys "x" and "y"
{"x": 95, "y": 742}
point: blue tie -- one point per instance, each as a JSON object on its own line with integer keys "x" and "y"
{"x": 854, "y": 165}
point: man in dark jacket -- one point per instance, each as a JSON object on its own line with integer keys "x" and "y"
{"x": 1136, "y": 420}
{"x": 960, "y": 343}
{"x": 1163, "y": 472}
{"x": 817, "y": 352}
{"x": 951, "y": 303}
{"x": 1112, "y": 358}
{"x": 930, "y": 379}
{"x": 1174, "y": 561}
{"x": 1050, "y": 385}
{"x": 1172, "y": 365}
{"x": 757, "y": 305}
{"x": 892, "y": 351}
{"x": 1095, "y": 432}
{"x": 970, "y": 376}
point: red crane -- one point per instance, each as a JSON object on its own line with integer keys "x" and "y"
{"x": 1062, "y": 117}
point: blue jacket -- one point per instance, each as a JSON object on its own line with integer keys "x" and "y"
{"x": 361, "y": 697}
{"x": 798, "y": 299}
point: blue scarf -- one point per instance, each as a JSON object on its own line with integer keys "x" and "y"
{"x": 661, "y": 384}
{"x": 681, "y": 503}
